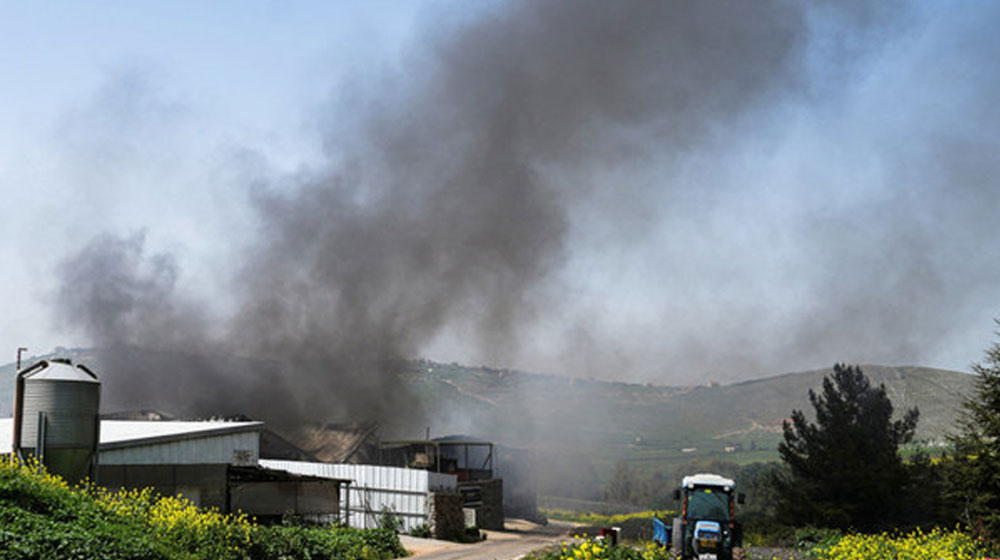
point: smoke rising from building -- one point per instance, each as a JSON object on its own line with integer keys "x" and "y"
{"x": 646, "y": 190}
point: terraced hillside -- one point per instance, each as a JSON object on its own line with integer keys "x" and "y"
{"x": 656, "y": 426}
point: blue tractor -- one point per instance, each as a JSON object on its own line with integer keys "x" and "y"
{"x": 706, "y": 528}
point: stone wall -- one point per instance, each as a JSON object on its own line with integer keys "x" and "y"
{"x": 444, "y": 515}
{"x": 488, "y": 501}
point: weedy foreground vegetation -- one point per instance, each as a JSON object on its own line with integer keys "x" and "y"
{"x": 42, "y": 517}
{"x": 593, "y": 549}
{"x": 936, "y": 544}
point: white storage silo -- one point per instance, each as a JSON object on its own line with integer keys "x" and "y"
{"x": 56, "y": 417}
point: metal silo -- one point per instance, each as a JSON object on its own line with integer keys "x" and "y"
{"x": 56, "y": 417}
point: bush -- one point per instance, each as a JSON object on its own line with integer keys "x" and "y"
{"x": 812, "y": 537}
{"x": 288, "y": 542}
{"x": 42, "y": 517}
{"x": 596, "y": 550}
{"x": 764, "y": 532}
{"x": 389, "y": 521}
{"x": 422, "y": 531}
{"x": 179, "y": 525}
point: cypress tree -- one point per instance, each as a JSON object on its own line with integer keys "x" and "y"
{"x": 974, "y": 471}
{"x": 844, "y": 469}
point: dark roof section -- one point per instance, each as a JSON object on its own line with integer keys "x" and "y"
{"x": 356, "y": 442}
{"x": 261, "y": 474}
{"x": 273, "y": 446}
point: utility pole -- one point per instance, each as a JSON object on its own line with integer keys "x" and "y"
{"x": 19, "y": 350}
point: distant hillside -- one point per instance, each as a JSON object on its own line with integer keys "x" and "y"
{"x": 655, "y": 427}
{"x": 574, "y": 422}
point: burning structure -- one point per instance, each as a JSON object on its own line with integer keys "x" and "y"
{"x": 354, "y": 442}
{"x": 482, "y": 467}
{"x": 470, "y": 460}
{"x": 233, "y": 464}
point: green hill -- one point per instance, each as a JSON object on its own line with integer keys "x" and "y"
{"x": 658, "y": 427}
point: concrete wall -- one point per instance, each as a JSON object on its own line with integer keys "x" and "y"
{"x": 445, "y": 516}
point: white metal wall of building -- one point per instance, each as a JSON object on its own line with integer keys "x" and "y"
{"x": 241, "y": 448}
{"x": 404, "y": 491}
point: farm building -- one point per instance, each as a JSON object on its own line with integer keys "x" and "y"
{"x": 496, "y": 481}
{"x": 212, "y": 463}
{"x": 469, "y": 460}
{"x": 238, "y": 464}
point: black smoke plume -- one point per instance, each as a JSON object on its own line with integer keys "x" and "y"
{"x": 456, "y": 191}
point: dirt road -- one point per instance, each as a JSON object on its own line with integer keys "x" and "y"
{"x": 520, "y": 538}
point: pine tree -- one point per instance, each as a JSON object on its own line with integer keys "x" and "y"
{"x": 974, "y": 471}
{"x": 844, "y": 469}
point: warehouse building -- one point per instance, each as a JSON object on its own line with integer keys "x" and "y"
{"x": 213, "y": 464}
{"x": 239, "y": 465}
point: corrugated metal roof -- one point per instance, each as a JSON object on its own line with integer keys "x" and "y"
{"x": 126, "y": 433}
{"x": 58, "y": 370}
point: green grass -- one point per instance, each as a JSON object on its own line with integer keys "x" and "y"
{"x": 589, "y": 518}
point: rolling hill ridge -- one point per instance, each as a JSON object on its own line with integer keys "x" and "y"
{"x": 651, "y": 426}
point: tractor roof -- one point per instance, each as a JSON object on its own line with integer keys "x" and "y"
{"x": 703, "y": 479}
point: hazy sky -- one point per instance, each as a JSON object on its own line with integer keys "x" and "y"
{"x": 719, "y": 191}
